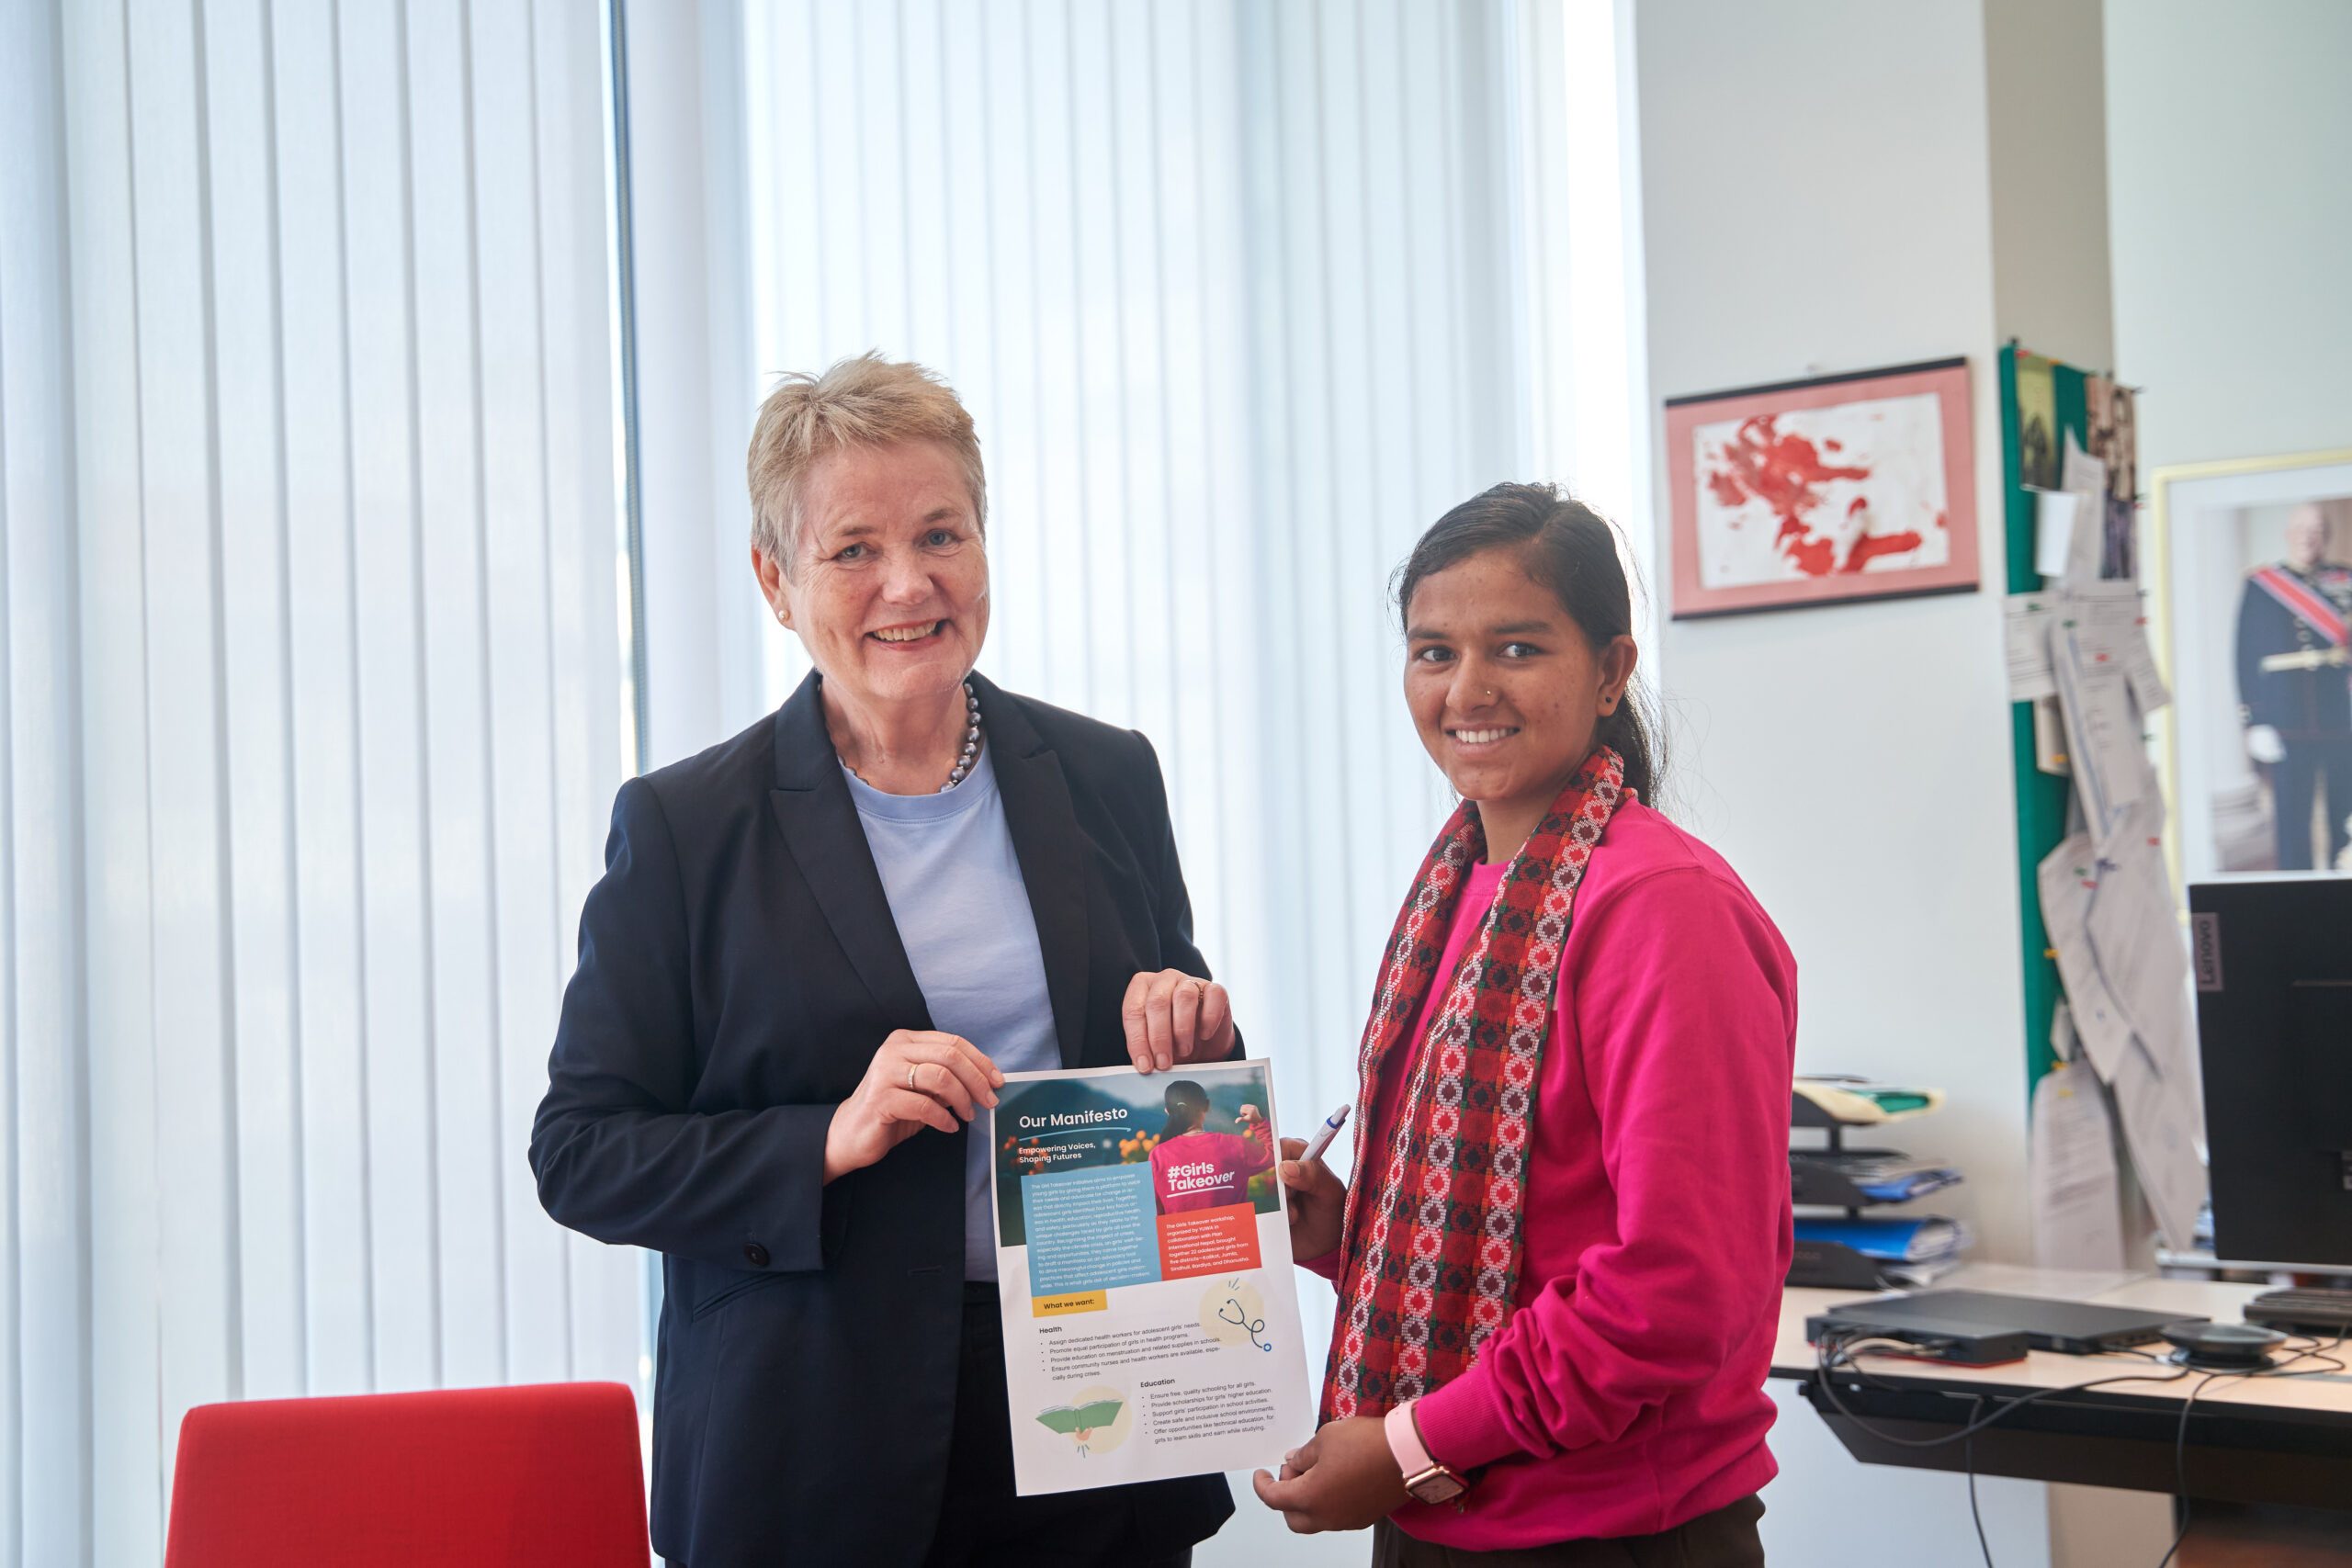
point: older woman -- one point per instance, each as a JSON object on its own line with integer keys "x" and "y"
{"x": 815, "y": 952}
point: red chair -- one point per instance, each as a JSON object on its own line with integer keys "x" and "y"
{"x": 546, "y": 1476}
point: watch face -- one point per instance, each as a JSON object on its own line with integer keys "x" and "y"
{"x": 1439, "y": 1487}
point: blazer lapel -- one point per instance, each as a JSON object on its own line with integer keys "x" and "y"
{"x": 1052, "y": 853}
{"x": 813, "y": 806}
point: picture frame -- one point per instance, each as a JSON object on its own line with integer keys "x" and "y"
{"x": 1833, "y": 489}
{"x": 2210, "y": 528}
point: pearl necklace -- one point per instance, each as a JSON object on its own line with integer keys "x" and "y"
{"x": 964, "y": 759}
{"x": 971, "y": 740}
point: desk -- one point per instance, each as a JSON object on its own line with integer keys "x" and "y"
{"x": 2272, "y": 1441}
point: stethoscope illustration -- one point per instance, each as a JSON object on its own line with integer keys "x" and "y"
{"x": 1242, "y": 1320}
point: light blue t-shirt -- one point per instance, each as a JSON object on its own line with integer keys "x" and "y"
{"x": 963, "y": 913}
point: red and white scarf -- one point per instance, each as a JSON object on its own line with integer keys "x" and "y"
{"x": 1432, "y": 1237}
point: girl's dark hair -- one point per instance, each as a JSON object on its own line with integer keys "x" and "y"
{"x": 1563, "y": 543}
{"x": 1188, "y": 1106}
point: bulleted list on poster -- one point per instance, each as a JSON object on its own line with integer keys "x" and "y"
{"x": 1150, "y": 1319}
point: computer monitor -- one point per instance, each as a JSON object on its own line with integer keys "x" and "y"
{"x": 2272, "y": 959}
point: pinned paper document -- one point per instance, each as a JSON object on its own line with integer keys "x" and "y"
{"x": 2106, "y": 903}
{"x": 2148, "y": 688}
{"x": 2160, "y": 1128}
{"x": 2134, "y": 927}
{"x": 2067, "y": 880}
{"x": 2064, "y": 1044}
{"x": 2096, "y": 637}
{"x": 2111, "y": 919}
{"x": 2049, "y": 739}
{"x": 2077, "y": 1195}
{"x": 2026, "y": 620}
{"x": 2114, "y": 618}
{"x": 2055, "y": 512}
{"x": 2083, "y": 476}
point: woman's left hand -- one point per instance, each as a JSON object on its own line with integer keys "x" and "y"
{"x": 1343, "y": 1478}
{"x": 1172, "y": 1018}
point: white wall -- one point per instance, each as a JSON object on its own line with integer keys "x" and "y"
{"x": 2229, "y": 195}
{"x": 2047, "y": 131}
{"x": 1817, "y": 183}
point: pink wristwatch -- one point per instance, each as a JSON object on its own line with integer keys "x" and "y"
{"x": 1425, "y": 1479}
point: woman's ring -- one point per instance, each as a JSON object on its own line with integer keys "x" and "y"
{"x": 910, "y": 1075}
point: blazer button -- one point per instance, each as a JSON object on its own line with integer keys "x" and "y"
{"x": 755, "y": 1255}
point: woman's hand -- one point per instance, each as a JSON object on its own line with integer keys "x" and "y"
{"x": 1343, "y": 1478}
{"x": 1172, "y": 1016}
{"x": 1318, "y": 1202}
{"x": 918, "y": 1078}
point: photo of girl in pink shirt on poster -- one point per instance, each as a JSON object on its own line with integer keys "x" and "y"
{"x": 1192, "y": 1168}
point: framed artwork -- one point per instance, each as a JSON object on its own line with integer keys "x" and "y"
{"x": 1860, "y": 486}
{"x": 2249, "y": 571}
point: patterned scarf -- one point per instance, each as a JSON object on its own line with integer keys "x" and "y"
{"x": 1431, "y": 1241}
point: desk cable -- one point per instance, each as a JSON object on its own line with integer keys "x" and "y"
{"x": 2318, "y": 1351}
{"x": 1840, "y": 1350}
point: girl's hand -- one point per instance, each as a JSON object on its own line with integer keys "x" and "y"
{"x": 1343, "y": 1478}
{"x": 1318, "y": 1202}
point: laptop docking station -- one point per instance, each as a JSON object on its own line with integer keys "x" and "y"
{"x": 1988, "y": 1349}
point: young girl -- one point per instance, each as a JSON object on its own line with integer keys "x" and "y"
{"x": 1194, "y": 1168}
{"x": 1560, "y": 1260}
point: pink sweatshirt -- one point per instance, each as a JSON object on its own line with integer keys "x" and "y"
{"x": 1208, "y": 1170}
{"x": 1627, "y": 1395}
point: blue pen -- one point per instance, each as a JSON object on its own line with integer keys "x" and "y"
{"x": 1331, "y": 1125}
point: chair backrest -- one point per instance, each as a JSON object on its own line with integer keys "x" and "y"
{"x": 541, "y": 1476}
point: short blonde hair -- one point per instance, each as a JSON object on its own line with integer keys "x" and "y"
{"x": 865, "y": 401}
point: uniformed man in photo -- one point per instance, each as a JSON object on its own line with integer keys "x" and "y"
{"x": 2295, "y": 686}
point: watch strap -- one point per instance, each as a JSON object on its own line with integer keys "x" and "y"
{"x": 1405, "y": 1440}
{"x": 1426, "y": 1480}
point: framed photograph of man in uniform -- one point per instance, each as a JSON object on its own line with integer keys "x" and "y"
{"x": 2249, "y": 564}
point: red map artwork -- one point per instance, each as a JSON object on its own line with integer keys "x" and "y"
{"x": 1785, "y": 473}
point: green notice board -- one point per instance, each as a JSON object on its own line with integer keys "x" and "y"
{"x": 2042, "y": 402}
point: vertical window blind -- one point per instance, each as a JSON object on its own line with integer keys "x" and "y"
{"x": 314, "y": 715}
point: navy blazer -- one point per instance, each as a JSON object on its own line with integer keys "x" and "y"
{"x": 739, "y": 967}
